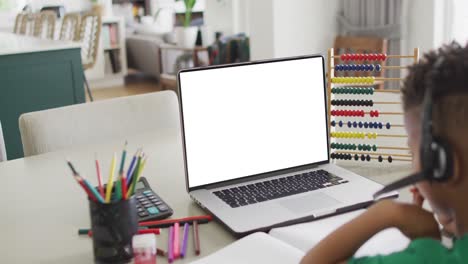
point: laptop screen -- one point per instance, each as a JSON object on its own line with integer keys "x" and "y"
{"x": 249, "y": 119}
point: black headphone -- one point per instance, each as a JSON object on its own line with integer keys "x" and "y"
{"x": 436, "y": 153}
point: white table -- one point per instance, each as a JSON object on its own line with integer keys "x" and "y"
{"x": 42, "y": 206}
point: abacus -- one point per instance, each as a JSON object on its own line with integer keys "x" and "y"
{"x": 366, "y": 124}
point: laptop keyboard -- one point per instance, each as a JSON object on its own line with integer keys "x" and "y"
{"x": 278, "y": 188}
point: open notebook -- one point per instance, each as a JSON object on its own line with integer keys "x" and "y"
{"x": 289, "y": 244}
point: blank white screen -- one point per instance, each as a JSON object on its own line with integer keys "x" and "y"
{"x": 246, "y": 120}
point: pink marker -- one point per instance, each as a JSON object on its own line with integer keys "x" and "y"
{"x": 176, "y": 246}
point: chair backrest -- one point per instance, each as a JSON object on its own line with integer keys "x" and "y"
{"x": 3, "y": 155}
{"x": 44, "y": 26}
{"x": 27, "y": 24}
{"x": 352, "y": 44}
{"x": 70, "y": 27}
{"x": 18, "y": 23}
{"x": 101, "y": 121}
{"x": 88, "y": 35}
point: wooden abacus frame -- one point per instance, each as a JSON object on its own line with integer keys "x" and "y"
{"x": 331, "y": 76}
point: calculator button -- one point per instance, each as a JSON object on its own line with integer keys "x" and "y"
{"x": 148, "y": 193}
{"x": 162, "y": 208}
{"x": 145, "y": 202}
{"x": 140, "y": 210}
{"x": 157, "y": 202}
{"x": 154, "y": 200}
{"x": 153, "y": 210}
{"x": 148, "y": 205}
{"x": 139, "y": 197}
{"x": 151, "y": 196}
{"x": 143, "y": 214}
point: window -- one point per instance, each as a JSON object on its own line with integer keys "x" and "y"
{"x": 460, "y": 20}
{"x": 11, "y": 5}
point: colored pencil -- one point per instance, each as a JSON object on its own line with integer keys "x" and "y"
{"x": 93, "y": 191}
{"x": 170, "y": 253}
{"x": 123, "y": 183}
{"x": 196, "y": 238}
{"x": 155, "y": 231}
{"x": 131, "y": 188}
{"x": 176, "y": 246}
{"x": 131, "y": 169}
{"x": 181, "y": 221}
{"x": 99, "y": 177}
{"x": 85, "y": 231}
{"x": 80, "y": 181}
{"x": 110, "y": 182}
{"x": 184, "y": 240}
{"x": 122, "y": 159}
{"x": 119, "y": 194}
{"x": 83, "y": 185}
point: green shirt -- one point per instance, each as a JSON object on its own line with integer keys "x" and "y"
{"x": 423, "y": 251}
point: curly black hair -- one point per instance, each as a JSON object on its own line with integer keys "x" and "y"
{"x": 450, "y": 89}
{"x": 452, "y": 78}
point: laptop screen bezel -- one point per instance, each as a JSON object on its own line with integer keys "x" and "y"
{"x": 263, "y": 174}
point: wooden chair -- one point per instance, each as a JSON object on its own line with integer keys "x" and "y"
{"x": 44, "y": 26}
{"x": 89, "y": 34}
{"x": 70, "y": 27}
{"x": 351, "y": 44}
{"x": 18, "y": 23}
{"x": 27, "y": 24}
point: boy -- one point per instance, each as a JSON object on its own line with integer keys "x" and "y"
{"x": 449, "y": 199}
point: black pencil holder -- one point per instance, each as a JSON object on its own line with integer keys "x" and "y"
{"x": 113, "y": 226}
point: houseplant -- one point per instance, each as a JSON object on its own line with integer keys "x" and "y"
{"x": 187, "y": 35}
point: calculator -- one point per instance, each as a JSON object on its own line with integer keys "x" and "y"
{"x": 149, "y": 205}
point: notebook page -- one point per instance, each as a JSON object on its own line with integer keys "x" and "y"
{"x": 255, "y": 248}
{"x": 305, "y": 236}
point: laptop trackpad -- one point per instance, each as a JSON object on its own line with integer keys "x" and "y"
{"x": 309, "y": 202}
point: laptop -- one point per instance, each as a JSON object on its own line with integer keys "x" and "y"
{"x": 255, "y": 141}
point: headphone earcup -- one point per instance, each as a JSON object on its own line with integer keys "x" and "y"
{"x": 442, "y": 160}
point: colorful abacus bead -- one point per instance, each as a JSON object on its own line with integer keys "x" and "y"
{"x": 356, "y": 157}
{"x": 374, "y": 147}
{"x": 354, "y": 124}
{"x": 368, "y": 157}
{"x": 333, "y": 123}
{"x": 388, "y": 126}
{"x": 363, "y": 157}
{"x": 349, "y": 124}
{"x": 378, "y": 67}
{"x": 390, "y": 159}
{"x": 380, "y": 158}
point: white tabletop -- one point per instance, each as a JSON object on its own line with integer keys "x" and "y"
{"x": 42, "y": 206}
{"x": 16, "y": 44}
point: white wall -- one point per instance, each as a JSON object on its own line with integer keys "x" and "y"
{"x": 219, "y": 16}
{"x": 427, "y": 24}
{"x": 70, "y": 5}
{"x": 261, "y": 32}
{"x": 304, "y": 27}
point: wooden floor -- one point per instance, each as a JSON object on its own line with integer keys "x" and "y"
{"x": 133, "y": 85}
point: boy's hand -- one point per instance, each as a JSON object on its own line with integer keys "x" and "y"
{"x": 415, "y": 222}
